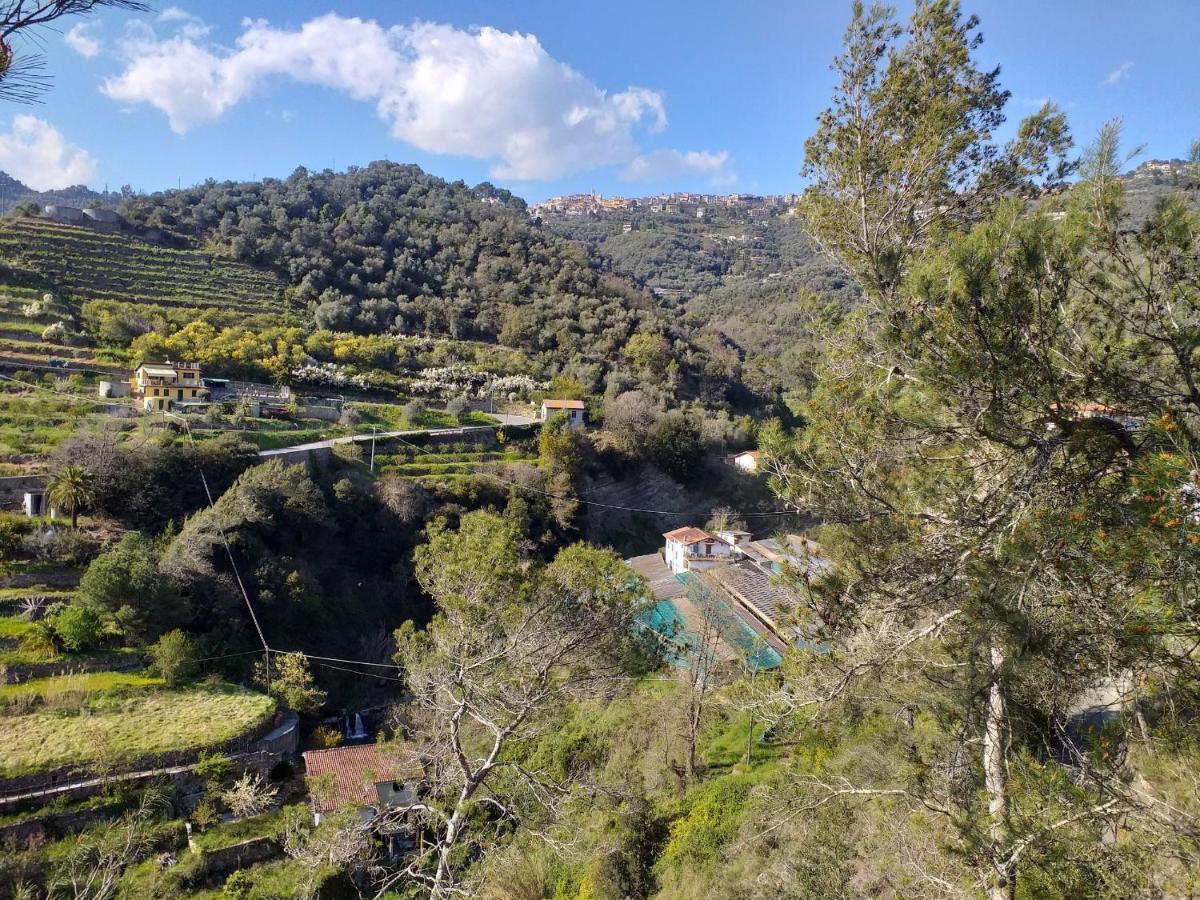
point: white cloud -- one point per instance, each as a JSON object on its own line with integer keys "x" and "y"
{"x": 485, "y": 93}
{"x": 186, "y": 24}
{"x": 35, "y": 152}
{"x": 1120, "y": 73}
{"x": 79, "y": 39}
{"x": 662, "y": 165}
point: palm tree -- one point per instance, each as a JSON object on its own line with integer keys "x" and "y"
{"x": 71, "y": 487}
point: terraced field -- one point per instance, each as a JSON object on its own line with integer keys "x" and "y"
{"x": 433, "y": 468}
{"x": 129, "y": 721}
{"x": 89, "y": 265}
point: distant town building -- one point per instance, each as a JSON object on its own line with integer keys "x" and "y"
{"x": 159, "y": 387}
{"x": 572, "y": 409}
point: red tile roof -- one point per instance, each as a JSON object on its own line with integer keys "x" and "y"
{"x": 689, "y": 535}
{"x": 563, "y": 404}
{"x": 355, "y": 770}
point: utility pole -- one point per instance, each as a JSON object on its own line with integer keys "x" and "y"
{"x": 373, "y": 428}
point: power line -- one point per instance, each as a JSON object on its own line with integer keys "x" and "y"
{"x": 357, "y": 662}
{"x": 228, "y": 656}
{"x": 356, "y": 672}
{"x": 596, "y": 503}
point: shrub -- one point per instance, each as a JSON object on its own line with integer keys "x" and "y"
{"x": 55, "y": 332}
{"x": 204, "y": 816}
{"x": 238, "y": 885}
{"x": 41, "y": 641}
{"x": 414, "y": 411}
{"x": 291, "y": 681}
{"x": 78, "y": 627}
{"x": 325, "y": 738}
{"x": 174, "y": 657}
{"x": 458, "y": 408}
{"x": 11, "y": 534}
{"x": 213, "y": 768}
{"x": 250, "y": 795}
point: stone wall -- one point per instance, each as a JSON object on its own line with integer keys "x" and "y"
{"x": 13, "y": 488}
{"x": 58, "y": 782}
{"x": 215, "y": 863}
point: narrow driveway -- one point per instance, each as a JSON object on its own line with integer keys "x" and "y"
{"x": 367, "y": 438}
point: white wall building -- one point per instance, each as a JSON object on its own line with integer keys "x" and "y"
{"x": 691, "y": 549}
{"x": 747, "y": 461}
{"x": 572, "y": 409}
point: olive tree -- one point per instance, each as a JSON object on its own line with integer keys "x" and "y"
{"x": 510, "y": 644}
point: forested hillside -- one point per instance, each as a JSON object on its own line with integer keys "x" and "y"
{"x": 751, "y": 283}
{"x": 387, "y": 247}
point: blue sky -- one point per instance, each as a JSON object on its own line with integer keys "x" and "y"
{"x": 541, "y": 97}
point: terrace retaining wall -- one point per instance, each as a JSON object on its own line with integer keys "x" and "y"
{"x": 78, "y": 782}
{"x": 215, "y": 863}
{"x": 13, "y": 487}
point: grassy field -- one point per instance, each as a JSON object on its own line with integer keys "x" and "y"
{"x": 13, "y": 628}
{"x": 228, "y": 833}
{"x": 119, "y": 728}
{"x": 429, "y": 467}
{"x": 390, "y": 417}
{"x": 75, "y": 688}
{"x": 34, "y": 422}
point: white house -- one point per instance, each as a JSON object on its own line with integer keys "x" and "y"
{"x": 691, "y": 549}
{"x": 747, "y": 460}
{"x": 572, "y": 409}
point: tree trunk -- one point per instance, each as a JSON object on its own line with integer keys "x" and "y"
{"x": 74, "y": 516}
{"x": 1002, "y": 882}
{"x": 695, "y": 710}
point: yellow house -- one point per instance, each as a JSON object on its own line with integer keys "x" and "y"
{"x": 158, "y": 386}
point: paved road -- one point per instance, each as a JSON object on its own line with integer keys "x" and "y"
{"x": 510, "y": 419}
{"x": 366, "y": 438}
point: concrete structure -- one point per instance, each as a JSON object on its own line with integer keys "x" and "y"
{"x": 112, "y": 389}
{"x": 360, "y": 776}
{"x": 103, "y": 216}
{"x": 572, "y": 409}
{"x": 36, "y": 504}
{"x": 224, "y": 389}
{"x": 159, "y": 386}
{"x": 691, "y": 549}
{"x": 66, "y": 214}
